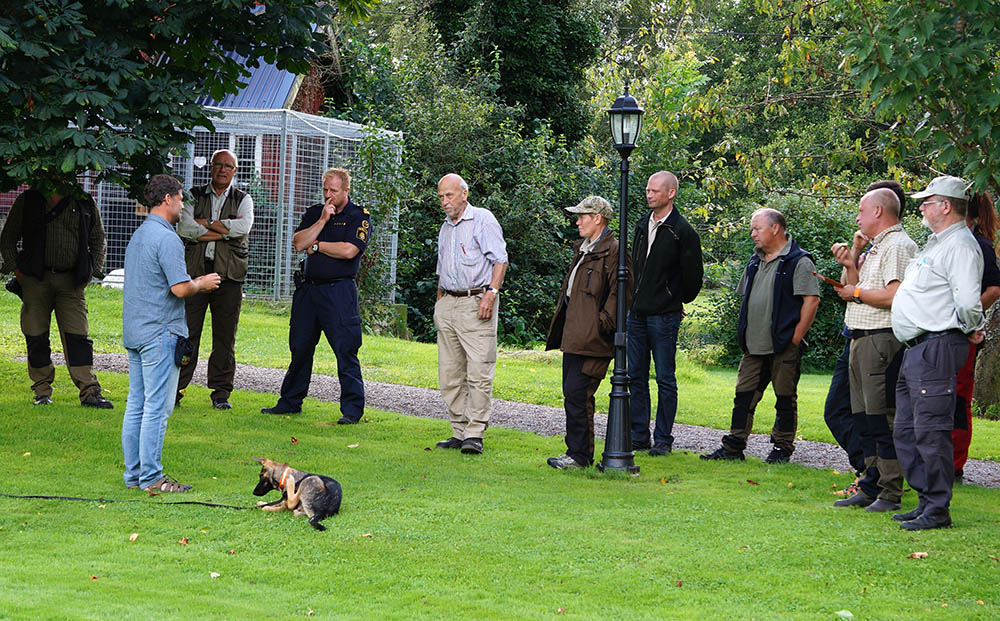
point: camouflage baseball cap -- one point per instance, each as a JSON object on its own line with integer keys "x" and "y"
{"x": 593, "y": 204}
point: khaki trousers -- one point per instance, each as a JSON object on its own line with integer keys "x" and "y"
{"x": 57, "y": 292}
{"x": 467, "y": 359}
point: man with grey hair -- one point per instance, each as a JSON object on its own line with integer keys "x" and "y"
{"x": 215, "y": 231}
{"x": 936, "y": 313}
{"x": 472, "y": 262}
{"x": 870, "y": 282}
{"x": 780, "y": 298}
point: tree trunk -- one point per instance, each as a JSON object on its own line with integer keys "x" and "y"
{"x": 987, "y": 390}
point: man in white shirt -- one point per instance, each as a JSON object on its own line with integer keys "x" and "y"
{"x": 215, "y": 231}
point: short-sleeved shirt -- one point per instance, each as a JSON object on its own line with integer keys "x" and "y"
{"x": 468, "y": 250}
{"x": 885, "y": 262}
{"x": 991, "y": 273}
{"x": 154, "y": 262}
{"x": 760, "y": 304}
{"x": 351, "y": 225}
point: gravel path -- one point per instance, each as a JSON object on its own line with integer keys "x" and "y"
{"x": 543, "y": 420}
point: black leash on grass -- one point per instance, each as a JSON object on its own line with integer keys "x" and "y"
{"x": 169, "y": 502}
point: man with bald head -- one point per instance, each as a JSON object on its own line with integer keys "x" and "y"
{"x": 472, "y": 262}
{"x": 780, "y": 298}
{"x": 667, "y": 272}
{"x": 870, "y": 282}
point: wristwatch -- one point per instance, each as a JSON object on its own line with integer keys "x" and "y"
{"x": 493, "y": 290}
{"x": 315, "y": 247}
{"x": 857, "y": 295}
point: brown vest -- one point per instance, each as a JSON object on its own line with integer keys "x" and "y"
{"x": 231, "y": 255}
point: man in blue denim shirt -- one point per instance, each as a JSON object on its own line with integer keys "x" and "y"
{"x": 156, "y": 281}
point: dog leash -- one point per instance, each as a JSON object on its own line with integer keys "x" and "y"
{"x": 105, "y": 500}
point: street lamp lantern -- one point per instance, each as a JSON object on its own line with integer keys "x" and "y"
{"x": 625, "y": 118}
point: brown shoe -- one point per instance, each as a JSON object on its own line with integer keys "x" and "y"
{"x": 166, "y": 484}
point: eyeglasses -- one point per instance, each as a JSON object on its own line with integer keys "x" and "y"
{"x": 223, "y": 165}
{"x": 932, "y": 202}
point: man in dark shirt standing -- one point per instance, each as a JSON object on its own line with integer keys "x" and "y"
{"x": 333, "y": 235}
{"x": 62, "y": 248}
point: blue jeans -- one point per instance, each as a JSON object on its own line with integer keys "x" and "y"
{"x": 152, "y": 385}
{"x": 656, "y": 335}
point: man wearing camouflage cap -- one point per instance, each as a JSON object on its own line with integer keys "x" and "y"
{"x": 584, "y": 326}
{"x": 936, "y": 314}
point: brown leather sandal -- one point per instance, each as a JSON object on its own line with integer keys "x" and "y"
{"x": 166, "y": 484}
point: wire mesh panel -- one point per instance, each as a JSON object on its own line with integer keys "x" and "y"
{"x": 282, "y": 155}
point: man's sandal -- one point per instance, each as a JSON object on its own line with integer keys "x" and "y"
{"x": 166, "y": 484}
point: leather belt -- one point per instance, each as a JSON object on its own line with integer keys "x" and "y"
{"x": 856, "y": 334}
{"x": 467, "y": 293}
{"x": 926, "y": 336}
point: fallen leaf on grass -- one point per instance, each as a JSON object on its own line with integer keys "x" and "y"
{"x": 353, "y": 445}
{"x": 28, "y": 454}
{"x": 844, "y": 614}
{"x": 310, "y": 612}
{"x": 678, "y": 584}
{"x": 560, "y": 610}
{"x": 294, "y": 441}
{"x": 213, "y": 574}
{"x": 151, "y": 494}
{"x": 836, "y": 472}
{"x": 102, "y": 506}
{"x": 93, "y": 577}
{"x": 427, "y": 448}
{"x": 203, "y": 531}
{"x": 366, "y": 535}
{"x": 994, "y": 558}
{"x": 133, "y": 536}
{"x": 752, "y": 482}
{"x": 232, "y": 551}
{"x": 980, "y": 602}
{"x": 184, "y": 541}
{"x": 917, "y": 555}
{"x": 790, "y": 484}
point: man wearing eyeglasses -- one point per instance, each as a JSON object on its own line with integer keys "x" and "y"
{"x": 215, "y": 231}
{"x": 936, "y": 313}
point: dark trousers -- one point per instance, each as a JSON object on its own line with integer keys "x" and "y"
{"x": 837, "y": 412}
{"x": 925, "y": 415}
{"x": 225, "y": 304}
{"x": 333, "y": 310}
{"x": 961, "y": 435}
{"x": 654, "y": 335}
{"x": 581, "y": 377}
{"x": 781, "y": 371}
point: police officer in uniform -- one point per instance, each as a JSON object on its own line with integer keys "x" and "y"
{"x": 334, "y": 234}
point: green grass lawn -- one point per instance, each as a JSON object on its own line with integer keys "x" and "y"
{"x": 428, "y": 533}
{"x": 705, "y": 395}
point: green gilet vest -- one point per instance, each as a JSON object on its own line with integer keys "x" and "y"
{"x": 231, "y": 255}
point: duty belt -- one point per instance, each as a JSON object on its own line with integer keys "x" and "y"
{"x": 926, "y": 336}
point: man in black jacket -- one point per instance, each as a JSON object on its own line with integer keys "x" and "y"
{"x": 668, "y": 270}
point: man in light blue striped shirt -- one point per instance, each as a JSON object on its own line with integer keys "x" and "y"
{"x": 472, "y": 262}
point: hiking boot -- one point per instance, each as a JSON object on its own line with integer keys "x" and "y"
{"x": 659, "y": 450}
{"x": 472, "y": 446}
{"x": 641, "y": 445}
{"x": 909, "y": 515}
{"x": 222, "y": 404}
{"x": 882, "y": 505}
{"x": 343, "y": 420}
{"x": 925, "y": 522}
{"x": 723, "y": 453}
{"x": 42, "y": 400}
{"x": 97, "y": 401}
{"x": 778, "y": 455}
{"x": 450, "y": 443}
{"x": 563, "y": 462}
{"x": 278, "y": 410}
{"x": 860, "y": 499}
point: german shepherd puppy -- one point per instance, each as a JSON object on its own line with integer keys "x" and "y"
{"x": 304, "y": 493}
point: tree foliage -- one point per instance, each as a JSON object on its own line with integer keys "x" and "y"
{"x": 93, "y": 85}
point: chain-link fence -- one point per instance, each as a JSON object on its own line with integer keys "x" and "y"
{"x": 282, "y": 156}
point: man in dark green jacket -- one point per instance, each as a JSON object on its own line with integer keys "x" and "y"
{"x": 666, "y": 257}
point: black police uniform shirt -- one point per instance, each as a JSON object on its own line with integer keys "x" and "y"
{"x": 351, "y": 225}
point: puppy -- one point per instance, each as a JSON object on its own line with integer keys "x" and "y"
{"x": 314, "y": 495}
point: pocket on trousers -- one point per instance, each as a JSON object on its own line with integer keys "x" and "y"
{"x": 934, "y": 405}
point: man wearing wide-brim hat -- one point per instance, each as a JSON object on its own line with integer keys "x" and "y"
{"x": 936, "y": 314}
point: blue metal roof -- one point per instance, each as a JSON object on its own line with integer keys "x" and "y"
{"x": 268, "y": 88}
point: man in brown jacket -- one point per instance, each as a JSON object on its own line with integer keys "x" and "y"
{"x": 584, "y": 326}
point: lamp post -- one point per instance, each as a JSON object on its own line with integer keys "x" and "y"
{"x": 625, "y": 117}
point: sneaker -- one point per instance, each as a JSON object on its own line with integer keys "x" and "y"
{"x": 723, "y": 453}
{"x": 659, "y": 450}
{"x": 450, "y": 443}
{"x": 563, "y": 462}
{"x": 778, "y": 455}
{"x": 222, "y": 404}
{"x": 97, "y": 401}
{"x": 42, "y": 400}
{"x": 472, "y": 446}
{"x": 860, "y": 499}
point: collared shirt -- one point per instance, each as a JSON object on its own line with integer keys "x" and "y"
{"x": 61, "y": 237}
{"x": 239, "y": 226}
{"x": 940, "y": 290}
{"x": 587, "y": 245}
{"x": 154, "y": 262}
{"x": 468, "y": 250}
{"x": 885, "y": 262}
{"x": 652, "y": 227}
{"x": 760, "y": 304}
{"x": 352, "y": 225}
